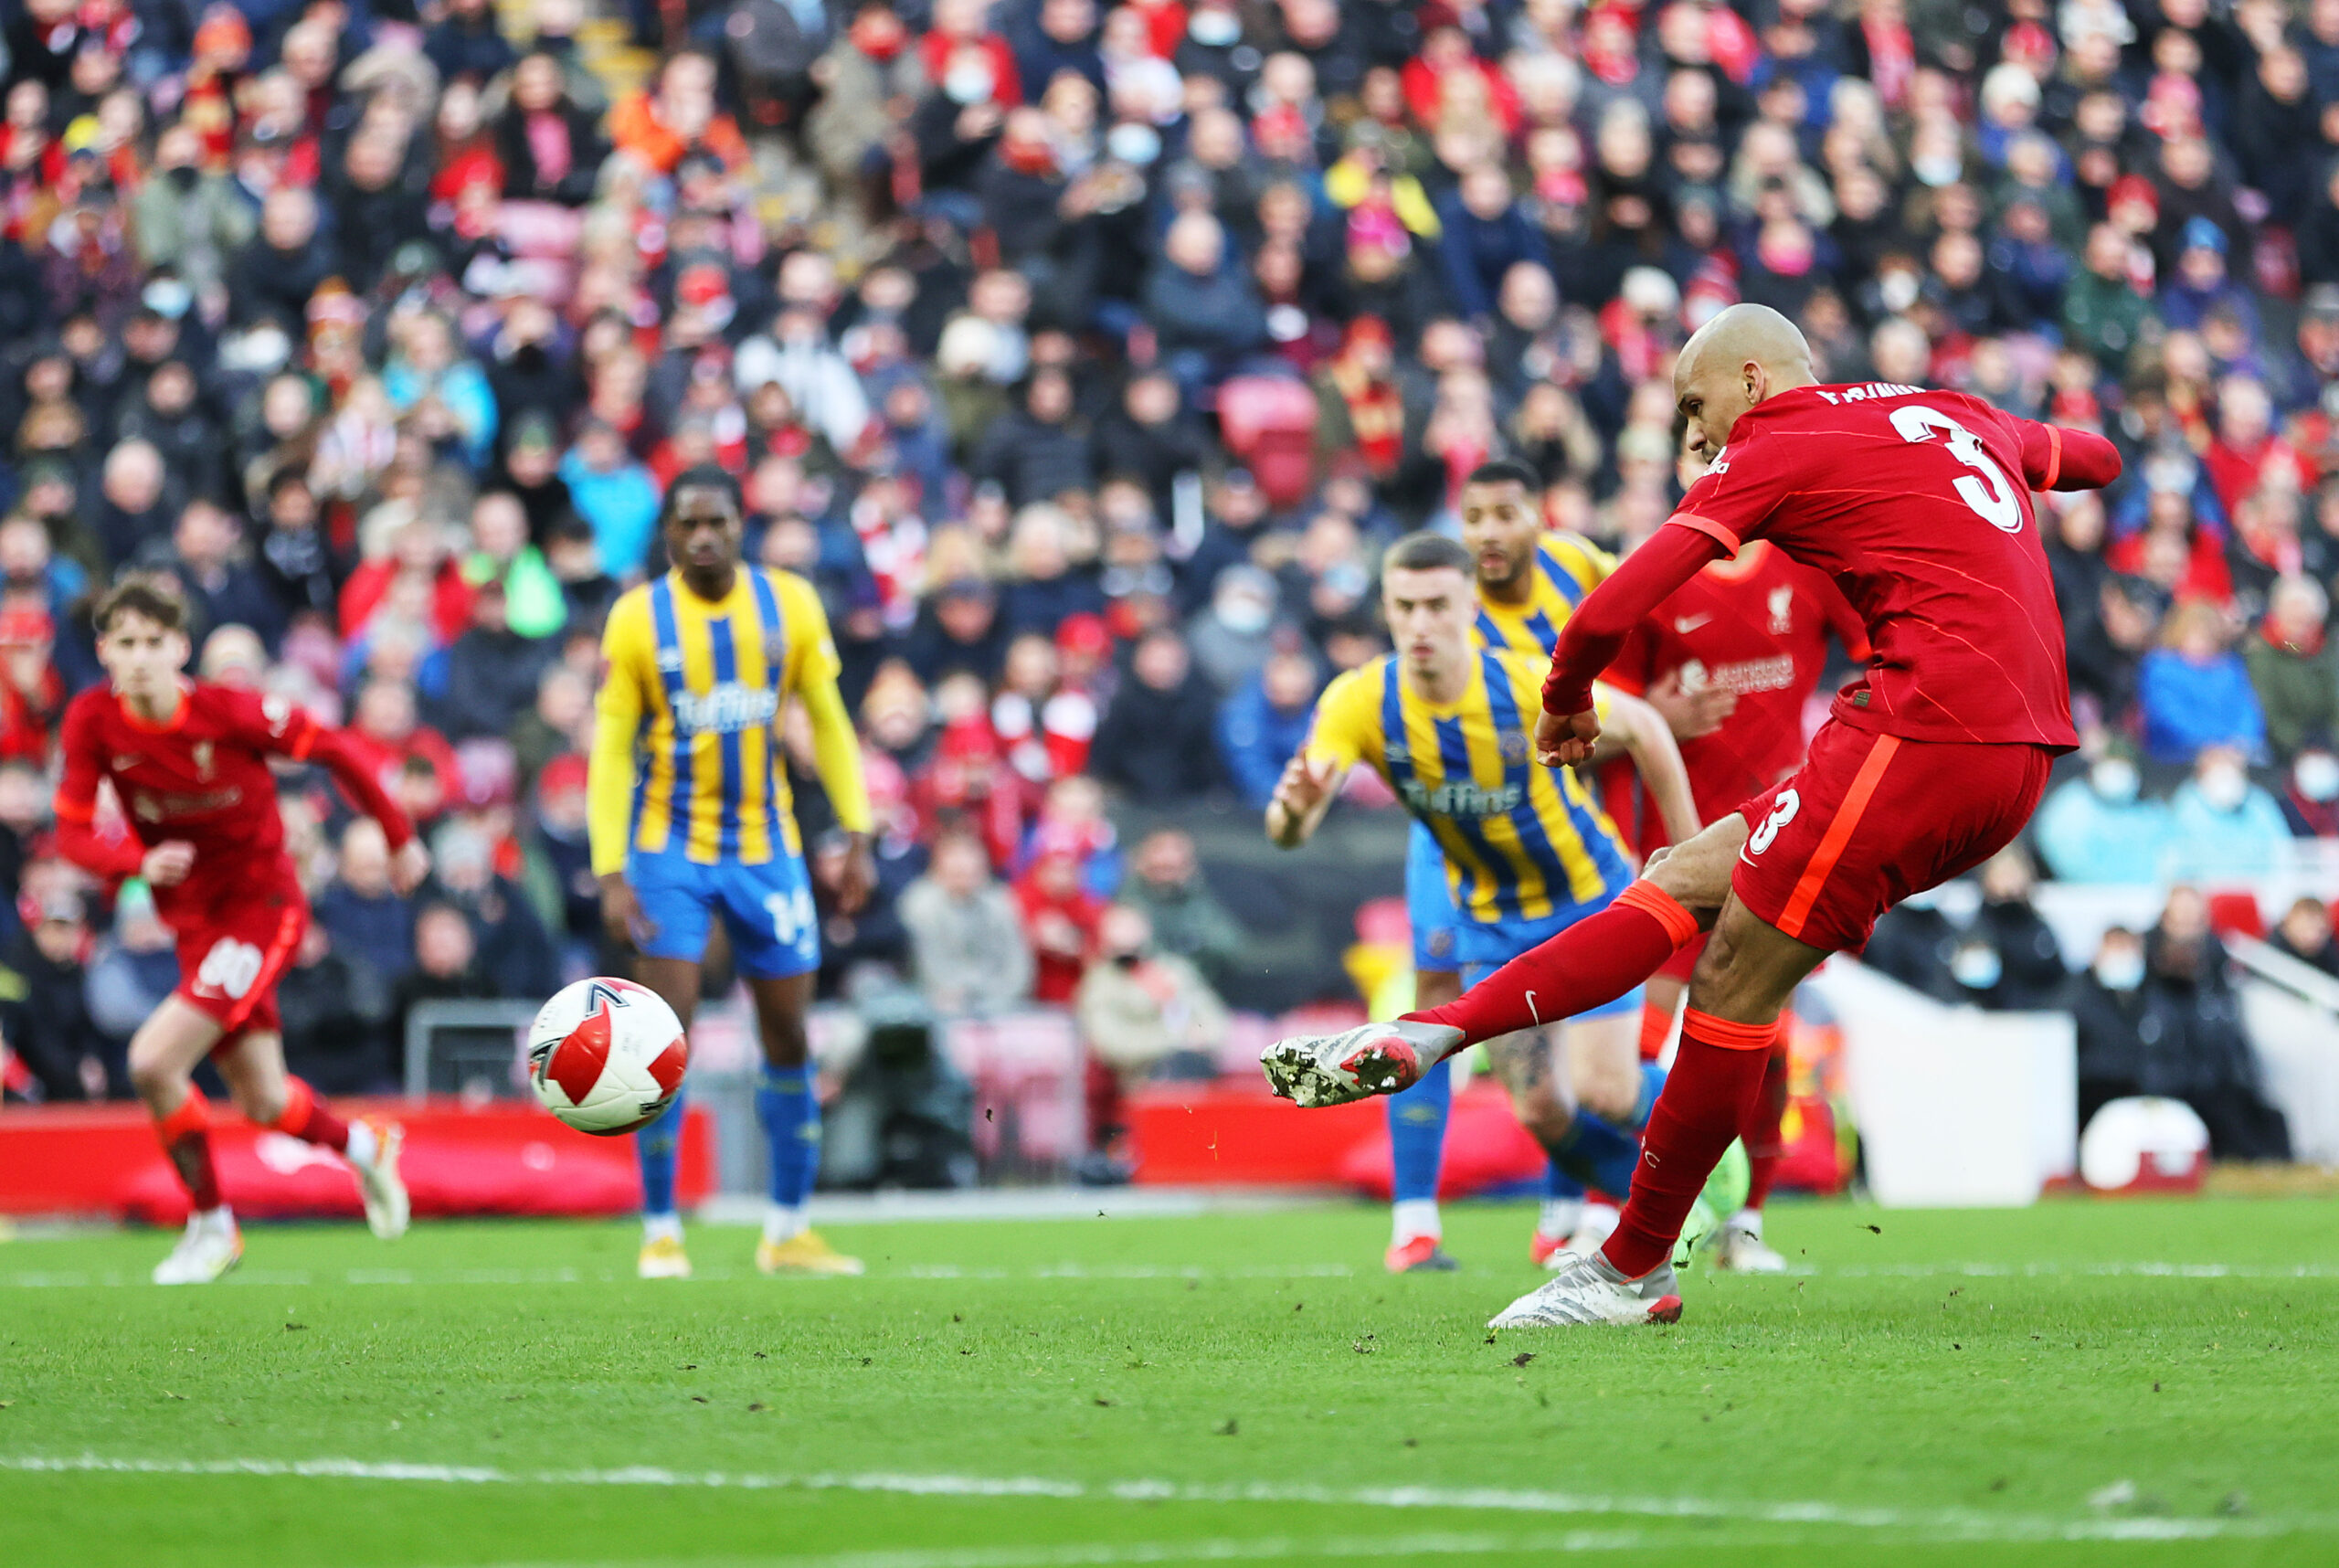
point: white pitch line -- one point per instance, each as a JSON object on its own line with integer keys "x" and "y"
{"x": 1935, "y": 1524}
{"x": 1214, "y": 1549}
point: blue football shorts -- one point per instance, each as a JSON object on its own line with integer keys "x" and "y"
{"x": 767, "y": 909}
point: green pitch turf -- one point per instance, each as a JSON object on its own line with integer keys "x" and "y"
{"x": 2149, "y": 1383}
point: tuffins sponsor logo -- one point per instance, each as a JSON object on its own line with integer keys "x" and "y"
{"x": 725, "y": 710}
{"x": 1463, "y": 800}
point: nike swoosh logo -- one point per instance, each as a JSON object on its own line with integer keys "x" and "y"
{"x": 1686, "y": 624}
{"x": 1531, "y": 1008}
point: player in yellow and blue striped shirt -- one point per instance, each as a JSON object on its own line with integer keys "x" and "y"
{"x": 1528, "y": 851}
{"x": 691, "y": 823}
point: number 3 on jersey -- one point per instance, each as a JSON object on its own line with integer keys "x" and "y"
{"x": 1986, "y": 489}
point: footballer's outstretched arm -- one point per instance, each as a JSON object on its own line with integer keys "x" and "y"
{"x": 2056, "y": 458}
{"x": 1596, "y": 631}
{"x": 279, "y": 728}
{"x": 1635, "y": 729}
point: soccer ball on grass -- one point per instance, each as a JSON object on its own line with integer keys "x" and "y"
{"x": 607, "y": 1055}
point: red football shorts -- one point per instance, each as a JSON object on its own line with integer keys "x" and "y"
{"x": 234, "y": 942}
{"x": 1870, "y": 819}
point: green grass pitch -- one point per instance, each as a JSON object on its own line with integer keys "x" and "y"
{"x": 2135, "y": 1382}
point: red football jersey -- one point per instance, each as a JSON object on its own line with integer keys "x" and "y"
{"x": 1757, "y": 626}
{"x": 203, "y": 778}
{"x": 1918, "y": 504}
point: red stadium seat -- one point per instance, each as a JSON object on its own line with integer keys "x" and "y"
{"x": 1269, "y": 423}
{"x": 2235, "y": 911}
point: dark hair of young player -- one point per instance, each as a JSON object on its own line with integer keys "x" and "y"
{"x": 1504, "y": 471}
{"x": 1426, "y": 552}
{"x": 702, "y": 476}
{"x": 139, "y": 593}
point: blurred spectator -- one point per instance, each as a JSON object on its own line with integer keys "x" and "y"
{"x": 1155, "y": 743}
{"x": 2030, "y": 961}
{"x": 2097, "y": 828}
{"x": 512, "y": 949}
{"x": 1165, "y": 884}
{"x": 361, "y": 911}
{"x": 2293, "y": 669}
{"x": 614, "y": 495}
{"x": 44, "y": 1010}
{"x": 2194, "y": 692}
{"x": 959, "y": 629}
{"x": 1044, "y": 726}
{"x": 134, "y": 968}
{"x": 1038, "y": 451}
{"x": 1060, "y": 920}
{"x": 492, "y": 671}
{"x": 968, "y": 950}
{"x": 2203, "y": 1055}
{"x": 2310, "y": 803}
{"x": 1203, "y": 309}
{"x": 333, "y": 1007}
{"x": 1263, "y": 724}
{"x": 2223, "y": 825}
{"x": 32, "y": 696}
{"x": 1137, "y": 1006}
{"x": 444, "y": 968}
{"x": 1231, "y": 636}
{"x": 2304, "y": 933}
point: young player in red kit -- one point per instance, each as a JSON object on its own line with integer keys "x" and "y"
{"x": 1729, "y": 660}
{"x": 1918, "y": 504}
{"x": 189, "y": 764}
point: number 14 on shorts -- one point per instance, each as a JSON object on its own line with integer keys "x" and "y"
{"x": 791, "y": 914}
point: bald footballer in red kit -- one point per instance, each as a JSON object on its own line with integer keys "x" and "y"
{"x": 1917, "y": 503}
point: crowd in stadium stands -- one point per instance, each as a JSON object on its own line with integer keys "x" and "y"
{"x": 1084, "y": 358}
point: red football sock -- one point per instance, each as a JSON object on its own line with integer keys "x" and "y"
{"x": 1597, "y": 959}
{"x": 1708, "y": 1096}
{"x": 1657, "y": 1027}
{"x": 185, "y": 1135}
{"x": 306, "y": 1119}
{"x": 1762, "y": 1132}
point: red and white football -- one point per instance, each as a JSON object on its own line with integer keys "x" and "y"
{"x": 607, "y": 1055}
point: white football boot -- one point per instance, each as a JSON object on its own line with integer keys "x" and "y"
{"x": 1587, "y": 1290}
{"x": 209, "y": 1247}
{"x": 387, "y": 1209}
{"x": 1314, "y": 1070}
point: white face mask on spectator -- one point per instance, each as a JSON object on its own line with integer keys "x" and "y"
{"x": 2225, "y": 787}
{"x": 2114, "y": 778}
{"x": 1133, "y": 143}
{"x": 1213, "y": 29}
{"x": 2120, "y": 970}
{"x": 968, "y": 83}
{"x": 2317, "y": 776}
{"x": 1977, "y": 968}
